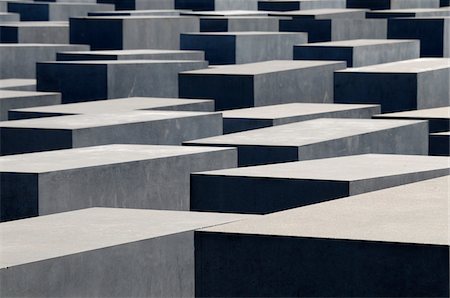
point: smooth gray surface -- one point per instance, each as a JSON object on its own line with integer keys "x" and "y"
{"x": 393, "y": 4}
{"x": 269, "y": 188}
{"x": 397, "y": 86}
{"x": 409, "y": 12}
{"x": 19, "y": 60}
{"x": 121, "y": 176}
{"x": 35, "y": 32}
{"x": 321, "y": 138}
{"x": 18, "y": 84}
{"x": 398, "y": 237}
{"x": 135, "y": 127}
{"x": 131, "y": 55}
{"x": 324, "y": 13}
{"x": 24, "y": 99}
{"x": 259, "y": 117}
{"x": 113, "y": 78}
{"x": 261, "y": 83}
{"x": 114, "y": 106}
{"x": 360, "y": 52}
{"x": 103, "y": 252}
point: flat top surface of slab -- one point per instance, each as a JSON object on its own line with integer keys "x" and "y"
{"x": 411, "y": 213}
{"x": 412, "y": 10}
{"x": 243, "y": 33}
{"x": 131, "y": 62}
{"x": 39, "y": 238}
{"x": 263, "y": 67}
{"x": 15, "y": 94}
{"x": 290, "y": 110}
{"x": 444, "y": 133}
{"x": 139, "y": 17}
{"x": 35, "y": 24}
{"x": 345, "y": 168}
{"x": 305, "y": 132}
{"x": 8, "y": 83}
{"x": 226, "y": 13}
{"x": 406, "y": 66}
{"x": 98, "y": 120}
{"x": 358, "y": 42}
{"x": 435, "y": 113}
{"x": 58, "y": 160}
{"x": 129, "y": 52}
{"x": 38, "y": 45}
{"x": 112, "y": 105}
{"x": 317, "y": 12}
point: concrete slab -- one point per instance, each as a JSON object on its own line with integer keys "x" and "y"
{"x": 121, "y": 176}
{"x": 400, "y": 233}
{"x": 261, "y": 83}
{"x": 411, "y": 12}
{"x": 433, "y": 33}
{"x": 113, "y": 106}
{"x": 360, "y": 52}
{"x": 18, "y": 84}
{"x": 392, "y": 4}
{"x": 239, "y": 23}
{"x": 439, "y": 118}
{"x": 323, "y": 13}
{"x": 41, "y": 11}
{"x": 259, "y": 117}
{"x": 19, "y": 60}
{"x": 269, "y": 188}
{"x": 242, "y": 47}
{"x": 113, "y": 78}
{"x": 225, "y": 13}
{"x": 130, "y": 55}
{"x": 35, "y": 32}
{"x": 131, "y": 32}
{"x": 440, "y": 143}
{"x": 321, "y": 138}
{"x": 135, "y": 127}
{"x": 222, "y": 5}
{"x": 147, "y": 12}
{"x": 287, "y": 5}
{"x": 9, "y": 17}
{"x": 140, "y": 4}
{"x": 103, "y": 251}
{"x": 10, "y": 99}
{"x": 397, "y": 86}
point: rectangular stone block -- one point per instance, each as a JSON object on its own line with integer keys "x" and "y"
{"x": 321, "y": 138}
{"x": 322, "y": 14}
{"x": 360, "y": 52}
{"x": 433, "y": 33}
{"x": 121, "y": 176}
{"x": 103, "y": 252}
{"x": 440, "y": 143}
{"x": 118, "y": 105}
{"x": 320, "y": 30}
{"x": 8, "y": 17}
{"x": 135, "y": 127}
{"x": 438, "y": 118}
{"x": 224, "y": 13}
{"x": 397, "y": 86}
{"x": 41, "y": 11}
{"x": 239, "y": 23}
{"x": 10, "y": 99}
{"x": 130, "y": 55}
{"x": 208, "y": 5}
{"x": 140, "y": 4}
{"x": 259, "y": 117}
{"x": 35, "y": 32}
{"x": 287, "y": 5}
{"x": 131, "y": 32}
{"x": 268, "y": 188}
{"x": 147, "y": 12}
{"x": 19, "y": 60}
{"x": 242, "y": 47}
{"x": 18, "y": 84}
{"x": 398, "y": 237}
{"x": 411, "y": 12}
{"x": 113, "y": 79}
{"x": 392, "y": 4}
{"x": 262, "y": 83}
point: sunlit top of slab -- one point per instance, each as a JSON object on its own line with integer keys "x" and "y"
{"x": 406, "y": 66}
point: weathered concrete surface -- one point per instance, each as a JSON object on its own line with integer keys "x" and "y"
{"x": 113, "y": 78}
{"x": 35, "y": 32}
{"x": 239, "y": 23}
{"x": 243, "y": 47}
{"x": 259, "y": 117}
{"x": 360, "y": 52}
{"x": 287, "y": 5}
{"x": 439, "y": 118}
{"x": 114, "y": 106}
{"x": 103, "y": 252}
{"x": 131, "y": 32}
{"x": 433, "y": 33}
{"x": 19, "y": 60}
{"x": 130, "y": 176}
{"x": 10, "y": 99}
{"x": 130, "y": 55}
{"x": 440, "y": 143}
{"x": 392, "y": 4}
{"x": 269, "y": 188}
{"x": 400, "y": 233}
{"x": 18, "y": 84}
{"x": 261, "y": 83}
{"x": 321, "y": 138}
{"x": 135, "y": 127}
{"x": 397, "y": 86}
